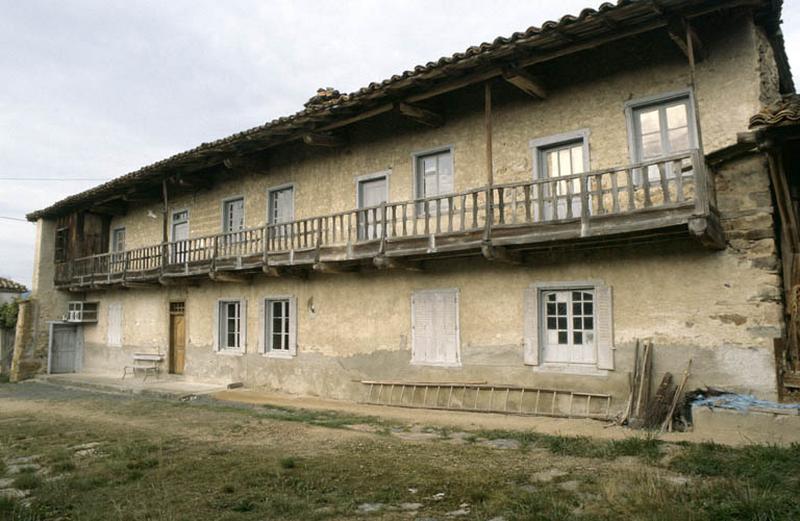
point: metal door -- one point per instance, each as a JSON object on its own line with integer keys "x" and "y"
{"x": 64, "y": 349}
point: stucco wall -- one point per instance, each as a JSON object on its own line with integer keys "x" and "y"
{"x": 722, "y": 309}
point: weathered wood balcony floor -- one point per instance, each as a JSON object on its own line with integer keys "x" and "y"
{"x": 662, "y": 198}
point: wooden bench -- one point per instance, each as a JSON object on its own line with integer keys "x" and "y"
{"x": 148, "y": 363}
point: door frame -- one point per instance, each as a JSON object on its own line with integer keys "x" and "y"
{"x": 169, "y": 334}
{"x": 78, "y": 344}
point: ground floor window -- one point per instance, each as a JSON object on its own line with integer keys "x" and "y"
{"x": 280, "y": 326}
{"x": 230, "y": 323}
{"x": 435, "y": 328}
{"x": 569, "y": 325}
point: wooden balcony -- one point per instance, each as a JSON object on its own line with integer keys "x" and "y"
{"x": 664, "y": 198}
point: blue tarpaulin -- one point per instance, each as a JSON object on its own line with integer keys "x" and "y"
{"x": 743, "y": 402}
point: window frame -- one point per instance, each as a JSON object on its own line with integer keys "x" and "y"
{"x": 219, "y": 330}
{"x": 173, "y": 222}
{"x": 631, "y": 106}
{"x": 416, "y": 186}
{"x": 61, "y": 244}
{"x": 271, "y": 190}
{"x": 113, "y": 241}
{"x": 603, "y": 321}
{"x": 449, "y": 291}
{"x": 542, "y": 144}
{"x": 225, "y": 203}
{"x": 362, "y": 227}
{"x": 265, "y": 326}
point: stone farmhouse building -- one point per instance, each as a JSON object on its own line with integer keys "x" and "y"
{"x": 518, "y": 214}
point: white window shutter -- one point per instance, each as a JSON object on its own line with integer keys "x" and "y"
{"x": 114, "y": 325}
{"x": 604, "y": 325}
{"x": 293, "y": 326}
{"x": 422, "y": 327}
{"x": 531, "y": 326}
{"x": 261, "y": 347}
{"x": 215, "y": 326}
{"x": 243, "y": 325}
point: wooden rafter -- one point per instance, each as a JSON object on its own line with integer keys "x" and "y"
{"x": 323, "y": 140}
{"x": 525, "y": 82}
{"x": 421, "y": 115}
{"x": 686, "y": 38}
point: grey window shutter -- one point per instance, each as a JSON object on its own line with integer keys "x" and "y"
{"x": 215, "y": 326}
{"x": 531, "y": 326}
{"x": 262, "y": 325}
{"x": 605, "y": 328}
{"x": 293, "y": 326}
{"x": 243, "y": 326}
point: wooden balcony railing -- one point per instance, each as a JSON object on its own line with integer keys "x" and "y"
{"x": 652, "y": 195}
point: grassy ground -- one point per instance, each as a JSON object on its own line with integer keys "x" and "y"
{"x": 161, "y": 460}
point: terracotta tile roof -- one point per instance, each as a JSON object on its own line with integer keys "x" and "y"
{"x": 9, "y": 286}
{"x": 786, "y": 111}
{"x": 553, "y": 38}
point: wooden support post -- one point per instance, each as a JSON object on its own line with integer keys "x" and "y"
{"x": 487, "y": 121}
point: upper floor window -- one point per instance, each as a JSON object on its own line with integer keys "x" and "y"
{"x": 662, "y": 127}
{"x": 434, "y": 174}
{"x": 559, "y": 159}
{"x": 118, "y": 240}
{"x": 281, "y": 205}
{"x": 61, "y": 241}
{"x": 233, "y": 215}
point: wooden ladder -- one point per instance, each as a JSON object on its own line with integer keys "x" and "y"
{"x": 483, "y": 397}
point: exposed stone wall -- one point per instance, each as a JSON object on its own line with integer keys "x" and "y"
{"x": 769, "y": 84}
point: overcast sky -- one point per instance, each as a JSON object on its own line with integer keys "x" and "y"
{"x": 96, "y": 89}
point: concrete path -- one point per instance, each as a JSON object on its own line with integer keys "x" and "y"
{"x": 167, "y": 386}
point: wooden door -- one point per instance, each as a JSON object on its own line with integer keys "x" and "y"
{"x": 64, "y": 348}
{"x": 177, "y": 337}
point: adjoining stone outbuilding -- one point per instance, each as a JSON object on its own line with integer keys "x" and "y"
{"x": 515, "y": 215}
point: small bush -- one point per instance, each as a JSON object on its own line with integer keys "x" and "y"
{"x": 288, "y": 463}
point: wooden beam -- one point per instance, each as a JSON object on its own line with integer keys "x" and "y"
{"x": 117, "y": 209}
{"x": 327, "y": 267}
{"x": 708, "y": 231}
{"x": 323, "y": 140}
{"x": 421, "y": 115}
{"x": 389, "y": 263}
{"x": 218, "y": 276}
{"x": 165, "y": 216}
{"x": 525, "y": 82}
{"x": 500, "y": 254}
{"x": 139, "y": 285}
{"x": 271, "y": 271}
{"x": 686, "y": 39}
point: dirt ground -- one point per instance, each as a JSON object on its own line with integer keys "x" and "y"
{"x": 77, "y": 455}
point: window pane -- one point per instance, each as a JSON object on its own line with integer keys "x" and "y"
{"x": 679, "y": 139}
{"x": 564, "y": 162}
{"x": 562, "y": 337}
{"x": 651, "y": 145}
{"x": 551, "y": 323}
{"x": 577, "y": 337}
{"x": 552, "y": 164}
{"x": 648, "y": 121}
{"x": 676, "y": 115}
{"x": 577, "y": 159}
